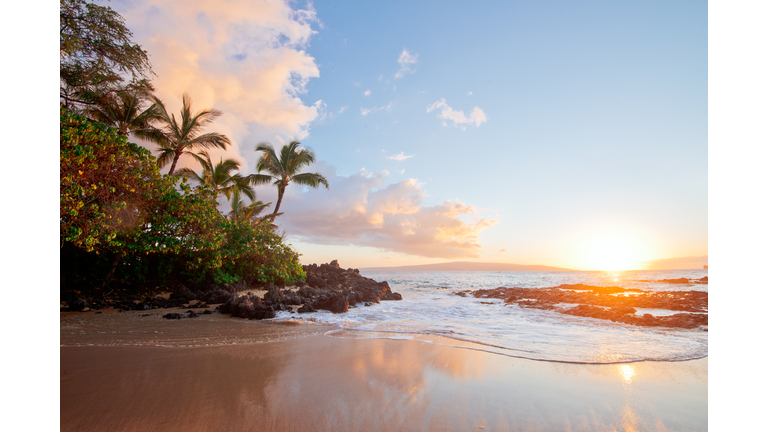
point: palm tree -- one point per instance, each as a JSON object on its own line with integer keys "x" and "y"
{"x": 220, "y": 176}
{"x": 285, "y": 168}
{"x": 122, "y": 110}
{"x": 250, "y": 212}
{"x": 182, "y": 135}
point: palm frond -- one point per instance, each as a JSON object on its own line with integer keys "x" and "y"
{"x": 310, "y": 179}
{"x": 188, "y": 173}
{"x": 165, "y": 156}
{"x": 258, "y": 179}
{"x": 209, "y": 140}
{"x": 285, "y": 168}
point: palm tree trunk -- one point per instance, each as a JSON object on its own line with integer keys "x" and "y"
{"x": 173, "y": 164}
{"x": 279, "y": 200}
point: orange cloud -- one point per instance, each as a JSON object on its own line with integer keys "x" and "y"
{"x": 361, "y": 210}
{"x": 243, "y": 57}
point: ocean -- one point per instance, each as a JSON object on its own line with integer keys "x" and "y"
{"x": 431, "y": 312}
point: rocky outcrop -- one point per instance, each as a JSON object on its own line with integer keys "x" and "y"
{"x": 248, "y": 306}
{"x": 332, "y": 286}
{"x": 609, "y": 303}
{"x": 329, "y": 287}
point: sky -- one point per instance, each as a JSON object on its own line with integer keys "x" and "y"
{"x": 553, "y": 133}
{"x": 737, "y": 150}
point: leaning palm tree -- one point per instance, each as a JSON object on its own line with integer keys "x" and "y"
{"x": 220, "y": 176}
{"x": 285, "y": 168}
{"x": 183, "y": 135}
{"x": 123, "y": 110}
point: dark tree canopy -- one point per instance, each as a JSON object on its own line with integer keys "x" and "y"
{"x": 97, "y": 55}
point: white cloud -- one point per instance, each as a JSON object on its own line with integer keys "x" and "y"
{"x": 405, "y": 60}
{"x": 469, "y": 94}
{"x": 247, "y": 60}
{"x": 400, "y": 157}
{"x": 367, "y": 93}
{"x": 459, "y": 119}
{"x": 342, "y": 109}
{"x": 362, "y": 209}
{"x": 366, "y": 111}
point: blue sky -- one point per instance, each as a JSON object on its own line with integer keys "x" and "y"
{"x": 557, "y": 133}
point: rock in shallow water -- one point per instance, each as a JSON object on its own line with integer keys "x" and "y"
{"x": 248, "y": 306}
{"x": 609, "y": 303}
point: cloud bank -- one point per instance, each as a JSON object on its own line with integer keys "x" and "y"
{"x": 362, "y": 210}
{"x": 246, "y": 59}
{"x": 459, "y": 119}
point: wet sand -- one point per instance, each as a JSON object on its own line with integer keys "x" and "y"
{"x": 152, "y": 374}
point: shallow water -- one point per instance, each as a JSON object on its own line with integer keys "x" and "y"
{"x": 432, "y": 313}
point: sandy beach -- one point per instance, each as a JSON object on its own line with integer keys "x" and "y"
{"x": 135, "y": 371}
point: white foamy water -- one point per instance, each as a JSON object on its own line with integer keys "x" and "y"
{"x": 431, "y": 312}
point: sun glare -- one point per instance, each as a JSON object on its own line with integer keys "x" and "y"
{"x": 614, "y": 252}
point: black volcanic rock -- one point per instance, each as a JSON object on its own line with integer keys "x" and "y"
{"x": 392, "y": 296}
{"x": 274, "y": 295}
{"x": 248, "y": 306}
{"x": 329, "y": 287}
{"x": 357, "y": 289}
{"x": 335, "y": 302}
{"x": 183, "y": 293}
{"x": 77, "y": 304}
{"x": 307, "y": 307}
{"x": 291, "y": 297}
{"x": 315, "y": 281}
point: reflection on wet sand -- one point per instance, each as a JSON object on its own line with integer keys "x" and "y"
{"x": 627, "y": 371}
{"x": 314, "y": 382}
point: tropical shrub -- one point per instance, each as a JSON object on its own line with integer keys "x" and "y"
{"x": 123, "y": 223}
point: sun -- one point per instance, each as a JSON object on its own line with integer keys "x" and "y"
{"x": 614, "y": 252}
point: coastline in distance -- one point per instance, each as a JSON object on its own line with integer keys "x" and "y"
{"x": 467, "y": 266}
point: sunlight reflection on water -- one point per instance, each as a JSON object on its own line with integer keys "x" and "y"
{"x": 430, "y": 308}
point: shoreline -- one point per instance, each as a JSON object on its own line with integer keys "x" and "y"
{"x": 113, "y": 327}
{"x": 293, "y": 377}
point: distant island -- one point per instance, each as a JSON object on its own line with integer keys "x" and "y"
{"x": 468, "y": 266}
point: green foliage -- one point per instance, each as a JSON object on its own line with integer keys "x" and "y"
{"x": 121, "y": 219}
{"x": 103, "y": 182}
{"x": 96, "y": 54}
{"x": 259, "y": 255}
{"x": 122, "y": 223}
